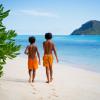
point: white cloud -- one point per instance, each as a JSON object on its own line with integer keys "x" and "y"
{"x": 35, "y": 13}
{"x": 38, "y": 13}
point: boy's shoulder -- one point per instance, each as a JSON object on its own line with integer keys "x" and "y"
{"x": 35, "y": 46}
{"x": 31, "y": 46}
{"x": 47, "y": 42}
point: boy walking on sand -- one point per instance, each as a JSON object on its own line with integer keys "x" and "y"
{"x": 49, "y": 48}
{"x": 31, "y": 50}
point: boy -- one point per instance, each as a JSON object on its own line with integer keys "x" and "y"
{"x": 31, "y": 51}
{"x": 49, "y": 48}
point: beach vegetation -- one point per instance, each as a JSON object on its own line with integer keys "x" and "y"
{"x": 8, "y": 47}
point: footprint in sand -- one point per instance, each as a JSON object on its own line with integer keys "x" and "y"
{"x": 33, "y": 87}
{"x": 52, "y": 97}
{"x": 49, "y": 97}
{"x": 35, "y": 91}
{"x": 53, "y": 89}
{"x": 54, "y": 94}
{"x": 40, "y": 98}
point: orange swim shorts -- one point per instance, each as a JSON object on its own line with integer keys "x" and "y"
{"x": 32, "y": 63}
{"x": 47, "y": 60}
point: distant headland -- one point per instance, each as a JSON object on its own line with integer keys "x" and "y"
{"x": 91, "y": 27}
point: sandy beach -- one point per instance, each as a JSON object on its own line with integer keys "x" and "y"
{"x": 69, "y": 83}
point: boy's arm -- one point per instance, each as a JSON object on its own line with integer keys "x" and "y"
{"x": 38, "y": 55}
{"x": 43, "y": 45}
{"x": 55, "y": 53}
{"x": 26, "y": 50}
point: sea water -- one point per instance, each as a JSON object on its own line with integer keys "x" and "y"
{"x": 78, "y": 51}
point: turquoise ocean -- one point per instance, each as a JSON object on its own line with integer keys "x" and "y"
{"x": 77, "y": 51}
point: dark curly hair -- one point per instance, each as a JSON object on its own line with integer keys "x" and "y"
{"x": 32, "y": 39}
{"x": 48, "y": 36}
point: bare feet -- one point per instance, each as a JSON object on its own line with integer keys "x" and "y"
{"x": 47, "y": 81}
{"x": 51, "y": 79}
{"x": 29, "y": 80}
{"x": 32, "y": 80}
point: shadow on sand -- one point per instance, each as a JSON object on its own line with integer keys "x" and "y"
{"x": 20, "y": 80}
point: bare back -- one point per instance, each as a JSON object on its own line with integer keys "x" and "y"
{"x": 48, "y": 47}
{"x": 32, "y": 51}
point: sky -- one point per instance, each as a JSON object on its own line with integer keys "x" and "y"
{"x": 60, "y": 17}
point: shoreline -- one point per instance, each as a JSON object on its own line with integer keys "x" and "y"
{"x": 71, "y": 64}
{"x": 69, "y": 83}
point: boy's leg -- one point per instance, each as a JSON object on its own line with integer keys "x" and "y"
{"x": 47, "y": 74}
{"x": 51, "y": 73}
{"x": 29, "y": 75}
{"x": 34, "y": 73}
